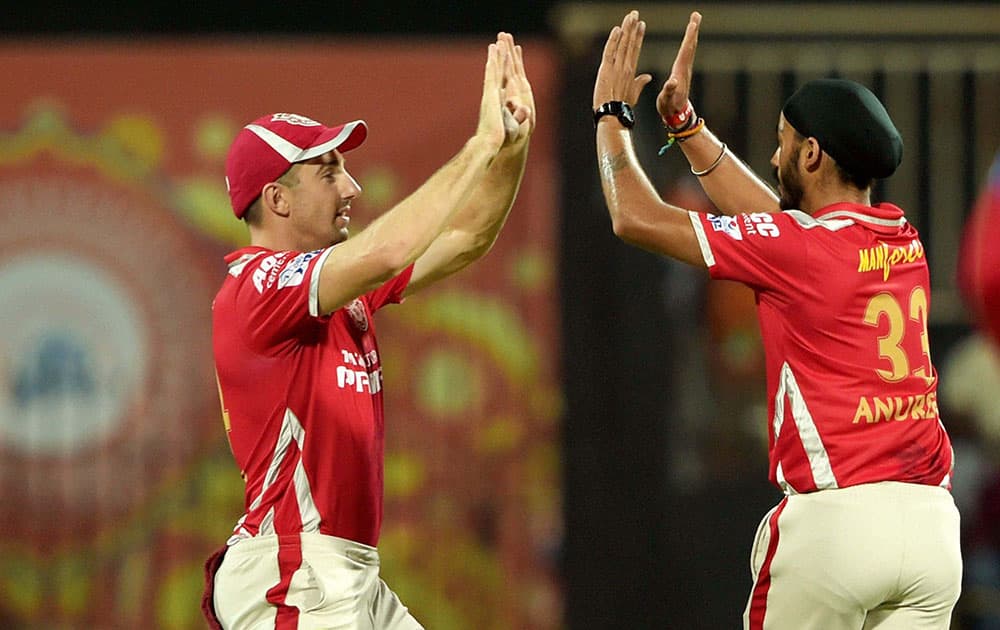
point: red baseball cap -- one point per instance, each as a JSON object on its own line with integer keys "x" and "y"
{"x": 267, "y": 147}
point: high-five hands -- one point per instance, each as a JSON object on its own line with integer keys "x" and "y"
{"x": 507, "y": 110}
{"x": 616, "y": 78}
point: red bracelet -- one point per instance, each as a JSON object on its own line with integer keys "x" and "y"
{"x": 681, "y": 120}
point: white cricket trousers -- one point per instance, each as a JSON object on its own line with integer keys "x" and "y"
{"x": 882, "y": 556}
{"x": 305, "y": 582}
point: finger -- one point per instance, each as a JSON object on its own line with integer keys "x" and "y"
{"x": 639, "y": 83}
{"x": 509, "y": 79}
{"x": 494, "y": 69}
{"x": 519, "y": 110}
{"x": 519, "y": 65}
{"x": 635, "y": 47}
{"x": 628, "y": 41}
{"x": 611, "y": 46}
{"x": 685, "y": 54}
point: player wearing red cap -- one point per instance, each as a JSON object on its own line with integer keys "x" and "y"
{"x": 298, "y": 365}
{"x": 868, "y": 534}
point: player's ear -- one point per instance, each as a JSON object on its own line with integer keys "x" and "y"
{"x": 274, "y": 198}
{"x": 811, "y": 154}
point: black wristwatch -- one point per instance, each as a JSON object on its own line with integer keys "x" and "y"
{"x": 619, "y": 109}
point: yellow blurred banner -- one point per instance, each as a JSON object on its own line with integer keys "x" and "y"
{"x": 114, "y": 471}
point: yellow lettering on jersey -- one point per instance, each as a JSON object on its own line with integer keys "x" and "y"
{"x": 864, "y": 411}
{"x": 900, "y": 414}
{"x": 874, "y": 409}
{"x": 882, "y": 258}
{"x": 932, "y": 409}
{"x": 883, "y": 407}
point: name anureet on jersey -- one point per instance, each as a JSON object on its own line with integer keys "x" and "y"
{"x": 883, "y": 257}
{"x": 873, "y": 409}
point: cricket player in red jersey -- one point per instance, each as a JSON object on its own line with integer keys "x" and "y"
{"x": 298, "y": 364}
{"x": 867, "y": 535}
{"x": 979, "y": 258}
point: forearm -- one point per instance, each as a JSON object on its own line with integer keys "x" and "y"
{"x": 638, "y": 215}
{"x": 474, "y": 228}
{"x": 486, "y": 210}
{"x": 730, "y": 184}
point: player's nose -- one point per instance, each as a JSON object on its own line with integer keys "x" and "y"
{"x": 349, "y": 188}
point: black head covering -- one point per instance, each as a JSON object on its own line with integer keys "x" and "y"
{"x": 850, "y": 124}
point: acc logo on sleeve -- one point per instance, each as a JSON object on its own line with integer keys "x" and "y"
{"x": 265, "y": 274}
{"x": 295, "y": 270}
{"x": 727, "y": 225}
{"x": 760, "y": 224}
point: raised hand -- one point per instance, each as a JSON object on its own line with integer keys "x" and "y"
{"x": 672, "y": 100}
{"x": 616, "y": 78}
{"x": 519, "y": 100}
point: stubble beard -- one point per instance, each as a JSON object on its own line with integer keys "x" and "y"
{"x": 789, "y": 183}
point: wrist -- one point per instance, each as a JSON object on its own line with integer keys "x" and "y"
{"x": 619, "y": 110}
{"x": 680, "y": 121}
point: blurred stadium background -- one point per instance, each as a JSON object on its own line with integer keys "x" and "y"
{"x": 575, "y": 428}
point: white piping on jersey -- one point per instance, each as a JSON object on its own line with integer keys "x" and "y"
{"x": 783, "y": 483}
{"x": 267, "y": 523}
{"x": 307, "y": 507}
{"x": 808, "y": 222}
{"x": 314, "y": 282}
{"x": 699, "y": 231}
{"x": 819, "y": 460}
{"x": 237, "y": 266}
{"x": 294, "y": 153}
{"x": 867, "y": 218}
{"x": 291, "y": 429}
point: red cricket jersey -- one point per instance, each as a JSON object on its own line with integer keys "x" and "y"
{"x": 301, "y": 396}
{"x": 979, "y": 258}
{"x": 843, "y": 299}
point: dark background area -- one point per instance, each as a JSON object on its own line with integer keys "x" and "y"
{"x": 363, "y": 18}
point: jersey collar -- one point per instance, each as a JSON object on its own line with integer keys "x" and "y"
{"x": 883, "y": 217}
{"x": 238, "y": 260}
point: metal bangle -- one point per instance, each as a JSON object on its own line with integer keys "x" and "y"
{"x": 711, "y": 168}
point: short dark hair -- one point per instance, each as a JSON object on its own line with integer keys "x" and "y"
{"x": 255, "y": 211}
{"x": 861, "y": 182}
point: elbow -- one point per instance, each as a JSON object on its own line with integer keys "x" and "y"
{"x": 388, "y": 259}
{"x": 623, "y": 226}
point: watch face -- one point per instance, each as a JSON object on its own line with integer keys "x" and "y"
{"x": 619, "y": 109}
{"x": 627, "y": 116}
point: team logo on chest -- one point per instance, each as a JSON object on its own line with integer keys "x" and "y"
{"x": 356, "y": 310}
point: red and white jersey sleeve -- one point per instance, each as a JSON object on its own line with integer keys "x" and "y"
{"x": 842, "y": 299}
{"x": 301, "y": 395}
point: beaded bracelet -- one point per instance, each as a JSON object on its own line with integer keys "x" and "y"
{"x": 681, "y": 136}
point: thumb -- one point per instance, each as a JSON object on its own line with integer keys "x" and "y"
{"x": 638, "y": 85}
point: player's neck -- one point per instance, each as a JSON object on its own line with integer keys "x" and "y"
{"x": 823, "y": 196}
{"x": 273, "y": 239}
